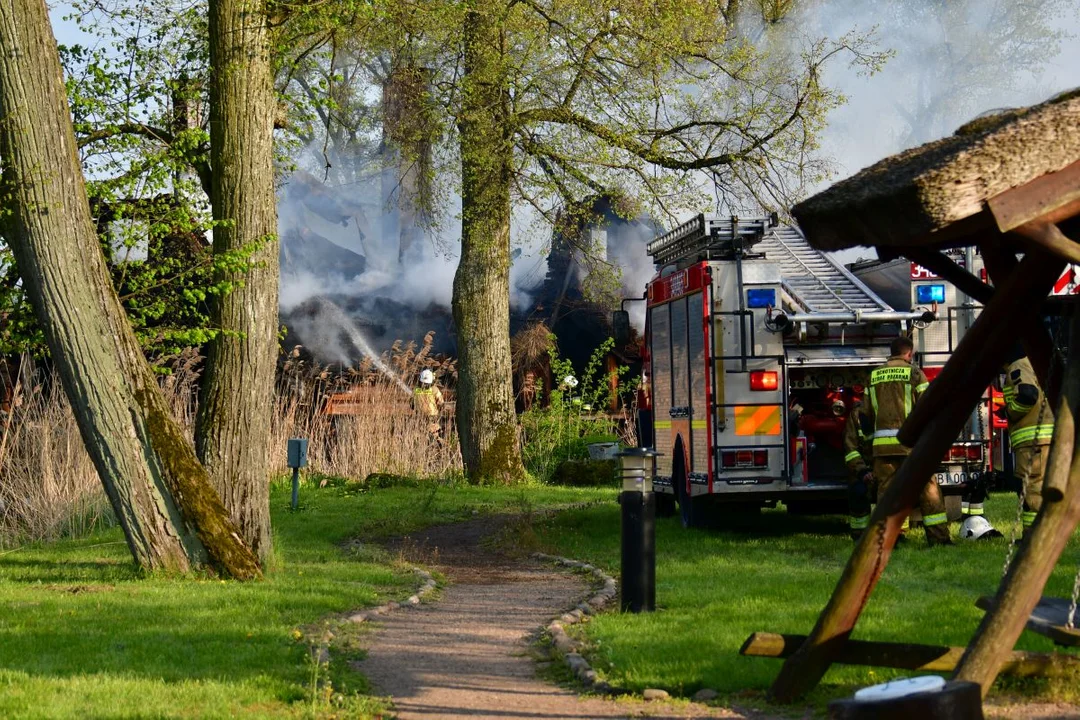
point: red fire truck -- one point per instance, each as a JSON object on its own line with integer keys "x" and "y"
{"x": 756, "y": 346}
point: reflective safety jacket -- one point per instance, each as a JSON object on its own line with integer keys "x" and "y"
{"x": 894, "y": 389}
{"x": 1031, "y": 421}
{"x": 427, "y": 401}
{"x": 858, "y": 431}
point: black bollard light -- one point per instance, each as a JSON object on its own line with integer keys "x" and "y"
{"x": 637, "y": 467}
{"x": 297, "y": 451}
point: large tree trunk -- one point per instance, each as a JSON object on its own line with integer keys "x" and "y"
{"x": 233, "y": 430}
{"x": 485, "y": 396}
{"x": 171, "y": 517}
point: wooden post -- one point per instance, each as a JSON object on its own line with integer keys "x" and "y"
{"x": 956, "y": 390}
{"x": 1023, "y": 584}
{"x": 1000, "y": 264}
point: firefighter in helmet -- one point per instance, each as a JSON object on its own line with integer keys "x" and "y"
{"x": 895, "y": 387}
{"x": 428, "y": 401}
{"x": 1031, "y": 426}
{"x": 858, "y": 433}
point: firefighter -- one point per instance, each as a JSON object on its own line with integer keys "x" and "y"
{"x": 895, "y": 387}
{"x": 858, "y": 432}
{"x": 428, "y": 400}
{"x": 1031, "y": 426}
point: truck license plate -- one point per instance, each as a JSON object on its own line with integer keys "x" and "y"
{"x": 955, "y": 477}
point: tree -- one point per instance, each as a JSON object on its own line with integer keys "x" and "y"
{"x": 555, "y": 99}
{"x": 171, "y": 516}
{"x": 233, "y": 426}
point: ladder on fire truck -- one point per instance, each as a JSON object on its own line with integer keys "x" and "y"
{"x": 815, "y": 284}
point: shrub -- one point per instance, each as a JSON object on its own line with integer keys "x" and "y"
{"x": 575, "y": 415}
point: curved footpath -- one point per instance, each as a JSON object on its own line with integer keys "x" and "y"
{"x": 468, "y": 654}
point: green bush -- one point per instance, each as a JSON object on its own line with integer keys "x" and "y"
{"x": 572, "y": 420}
{"x": 586, "y": 473}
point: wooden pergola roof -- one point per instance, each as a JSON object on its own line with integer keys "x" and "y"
{"x": 943, "y": 193}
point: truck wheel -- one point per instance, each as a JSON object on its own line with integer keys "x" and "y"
{"x": 665, "y": 505}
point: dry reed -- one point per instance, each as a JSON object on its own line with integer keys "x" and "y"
{"x": 50, "y": 489}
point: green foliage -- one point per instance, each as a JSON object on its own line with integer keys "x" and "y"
{"x": 138, "y": 100}
{"x": 575, "y": 415}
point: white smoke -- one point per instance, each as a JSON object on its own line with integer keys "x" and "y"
{"x": 952, "y": 62}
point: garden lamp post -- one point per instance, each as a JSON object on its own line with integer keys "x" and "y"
{"x": 297, "y": 451}
{"x": 637, "y": 466}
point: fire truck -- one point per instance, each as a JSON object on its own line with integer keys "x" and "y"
{"x": 983, "y": 446}
{"x": 756, "y": 347}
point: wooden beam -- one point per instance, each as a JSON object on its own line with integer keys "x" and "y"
{"x": 959, "y": 388}
{"x": 1038, "y": 345}
{"x": 1023, "y": 585}
{"x": 1034, "y": 200}
{"x": 943, "y": 266}
{"x": 1049, "y": 237}
{"x": 913, "y": 656}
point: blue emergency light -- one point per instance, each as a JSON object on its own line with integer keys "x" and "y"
{"x": 761, "y": 298}
{"x": 930, "y": 293}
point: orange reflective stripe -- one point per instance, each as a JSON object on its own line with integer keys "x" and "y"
{"x": 757, "y": 420}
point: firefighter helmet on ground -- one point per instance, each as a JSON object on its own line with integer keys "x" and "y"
{"x": 976, "y": 527}
{"x": 426, "y": 377}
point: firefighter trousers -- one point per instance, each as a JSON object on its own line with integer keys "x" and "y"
{"x": 931, "y": 503}
{"x": 859, "y": 499}
{"x": 1029, "y": 466}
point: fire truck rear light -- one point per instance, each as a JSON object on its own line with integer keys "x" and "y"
{"x": 744, "y": 458}
{"x": 974, "y": 452}
{"x": 764, "y": 380}
{"x": 957, "y": 452}
{"x": 727, "y": 459}
{"x": 761, "y": 458}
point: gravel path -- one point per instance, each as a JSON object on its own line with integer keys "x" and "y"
{"x": 467, "y": 655}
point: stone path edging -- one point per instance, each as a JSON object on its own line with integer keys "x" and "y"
{"x": 426, "y": 588}
{"x": 563, "y": 643}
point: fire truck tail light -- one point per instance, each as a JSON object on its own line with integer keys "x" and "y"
{"x": 764, "y": 380}
{"x": 744, "y": 459}
{"x": 962, "y": 453}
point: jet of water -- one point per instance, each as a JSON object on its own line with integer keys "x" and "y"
{"x": 332, "y": 314}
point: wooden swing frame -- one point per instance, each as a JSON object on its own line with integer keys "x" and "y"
{"x": 1007, "y": 184}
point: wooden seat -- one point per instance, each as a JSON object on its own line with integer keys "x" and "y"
{"x": 1049, "y": 618}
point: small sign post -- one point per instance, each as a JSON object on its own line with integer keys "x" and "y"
{"x": 297, "y": 459}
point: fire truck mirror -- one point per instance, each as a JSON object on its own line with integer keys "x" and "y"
{"x": 620, "y": 327}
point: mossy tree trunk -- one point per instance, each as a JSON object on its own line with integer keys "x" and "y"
{"x": 486, "y": 421}
{"x": 233, "y": 427}
{"x": 172, "y": 518}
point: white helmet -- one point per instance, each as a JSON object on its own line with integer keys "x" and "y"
{"x": 426, "y": 377}
{"x": 976, "y": 527}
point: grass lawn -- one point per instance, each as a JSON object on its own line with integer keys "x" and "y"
{"x": 714, "y": 589}
{"x": 83, "y": 634}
